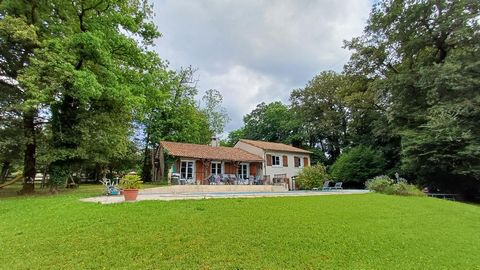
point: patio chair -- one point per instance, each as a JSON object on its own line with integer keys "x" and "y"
{"x": 211, "y": 180}
{"x": 326, "y": 186}
{"x": 243, "y": 181}
{"x": 232, "y": 179}
{"x": 190, "y": 181}
{"x": 337, "y": 186}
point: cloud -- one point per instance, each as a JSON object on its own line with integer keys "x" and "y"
{"x": 257, "y": 51}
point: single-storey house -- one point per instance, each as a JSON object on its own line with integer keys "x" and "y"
{"x": 248, "y": 162}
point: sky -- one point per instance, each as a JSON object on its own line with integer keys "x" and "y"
{"x": 256, "y": 51}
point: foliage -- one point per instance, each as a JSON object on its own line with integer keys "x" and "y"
{"x": 323, "y": 112}
{"x": 422, "y": 60}
{"x": 358, "y": 164}
{"x": 233, "y": 137}
{"x": 58, "y": 175}
{"x": 312, "y": 177}
{"x": 386, "y": 185}
{"x": 131, "y": 181}
{"x": 268, "y": 122}
{"x": 216, "y": 114}
{"x": 390, "y": 232}
{"x": 176, "y": 117}
{"x": 87, "y": 67}
{"x": 379, "y": 183}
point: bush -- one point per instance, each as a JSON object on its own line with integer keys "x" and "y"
{"x": 379, "y": 183}
{"x": 386, "y": 185}
{"x": 312, "y": 177}
{"x": 358, "y": 165}
{"x": 131, "y": 181}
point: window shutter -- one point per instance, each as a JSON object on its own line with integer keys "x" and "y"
{"x": 285, "y": 161}
{"x": 296, "y": 161}
{"x": 269, "y": 160}
{"x": 305, "y": 162}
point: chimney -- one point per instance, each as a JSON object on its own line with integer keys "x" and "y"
{"x": 214, "y": 142}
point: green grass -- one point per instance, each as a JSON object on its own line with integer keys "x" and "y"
{"x": 349, "y": 232}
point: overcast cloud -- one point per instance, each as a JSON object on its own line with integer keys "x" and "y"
{"x": 256, "y": 51}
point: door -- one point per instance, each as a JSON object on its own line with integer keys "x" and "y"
{"x": 187, "y": 169}
{"x": 216, "y": 168}
{"x": 243, "y": 171}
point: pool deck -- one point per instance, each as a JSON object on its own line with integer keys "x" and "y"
{"x": 156, "y": 195}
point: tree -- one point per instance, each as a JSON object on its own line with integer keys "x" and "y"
{"x": 357, "y": 165}
{"x": 22, "y": 31}
{"x": 216, "y": 114}
{"x": 422, "y": 58}
{"x": 172, "y": 115}
{"x": 233, "y": 137}
{"x": 92, "y": 75}
{"x": 323, "y": 112}
{"x": 268, "y": 122}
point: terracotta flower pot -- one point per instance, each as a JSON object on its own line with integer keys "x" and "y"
{"x": 130, "y": 195}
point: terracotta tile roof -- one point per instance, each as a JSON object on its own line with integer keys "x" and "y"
{"x": 275, "y": 146}
{"x": 200, "y": 151}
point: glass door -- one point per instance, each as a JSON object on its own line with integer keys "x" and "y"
{"x": 243, "y": 171}
{"x": 186, "y": 169}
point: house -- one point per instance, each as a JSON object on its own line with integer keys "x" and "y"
{"x": 247, "y": 162}
{"x": 197, "y": 163}
{"x": 278, "y": 158}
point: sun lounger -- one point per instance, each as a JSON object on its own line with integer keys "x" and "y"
{"x": 337, "y": 186}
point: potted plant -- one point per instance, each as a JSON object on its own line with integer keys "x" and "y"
{"x": 130, "y": 184}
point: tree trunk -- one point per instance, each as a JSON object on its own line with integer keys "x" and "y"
{"x": 29, "y": 169}
{"x": 4, "y": 173}
{"x": 147, "y": 167}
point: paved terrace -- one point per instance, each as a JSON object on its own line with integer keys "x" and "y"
{"x": 172, "y": 193}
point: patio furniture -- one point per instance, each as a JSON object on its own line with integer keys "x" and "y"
{"x": 326, "y": 186}
{"x": 175, "y": 179}
{"x": 232, "y": 179}
{"x": 242, "y": 181}
{"x": 446, "y": 196}
{"x": 279, "y": 178}
{"x": 111, "y": 186}
{"x": 190, "y": 181}
{"x": 337, "y": 186}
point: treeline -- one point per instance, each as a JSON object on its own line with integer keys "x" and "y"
{"x": 79, "y": 82}
{"x": 410, "y": 93}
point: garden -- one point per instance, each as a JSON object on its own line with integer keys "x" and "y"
{"x": 369, "y": 231}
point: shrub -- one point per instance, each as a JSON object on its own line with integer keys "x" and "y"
{"x": 311, "y": 177}
{"x": 379, "y": 183}
{"x": 131, "y": 181}
{"x": 386, "y": 185}
{"x": 358, "y": 165}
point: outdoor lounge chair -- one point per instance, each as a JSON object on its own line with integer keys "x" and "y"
{"x": 337, "y": 186}
{"x": 326, "y": 186}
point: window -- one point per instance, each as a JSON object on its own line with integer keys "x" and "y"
{"x": 298, "y": 162}
{"x": 243, "y": 171}
{"x": 216, "y": 168}
{"x": 186, "y": 169}
{"x": 276, "y": 161}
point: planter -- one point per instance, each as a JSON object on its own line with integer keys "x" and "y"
{"x": 130, "y": 195}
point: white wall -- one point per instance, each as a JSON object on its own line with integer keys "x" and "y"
{"x": 250, "y": 148}
{"x": 291, "y": 170}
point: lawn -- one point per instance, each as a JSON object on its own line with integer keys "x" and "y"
{"x": 349, "y": 232}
